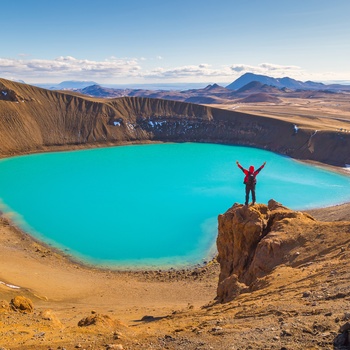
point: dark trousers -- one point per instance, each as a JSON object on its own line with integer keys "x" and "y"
{"x": 248, "y": 189}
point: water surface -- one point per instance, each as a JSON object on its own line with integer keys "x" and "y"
{"x": 150, "y": 205}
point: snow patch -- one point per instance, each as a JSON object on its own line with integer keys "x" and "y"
{"x": 157, "y": 123}
{"x": 10, "y": 285}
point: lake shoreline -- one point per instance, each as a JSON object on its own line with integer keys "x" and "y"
{"x": 89, "y": 146}
{"x": 127, "y": 267}
{"x": 76, "y": 260}
{"x": 336, "y": 212}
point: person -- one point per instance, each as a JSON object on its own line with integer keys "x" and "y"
{"x": 250, "y": 181}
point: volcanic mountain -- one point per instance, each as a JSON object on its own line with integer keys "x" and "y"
{"x": 34, "y": 119}
{"x": 284, "y": 83}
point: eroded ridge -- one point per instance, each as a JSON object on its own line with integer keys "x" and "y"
{"x": 254, "y": 240}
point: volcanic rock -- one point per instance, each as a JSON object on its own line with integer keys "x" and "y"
{"x": 98, "y": 320}
{"x": 49, "y": 315}
{"x": 254, "y": 240}
{"x": 22, "y": 304}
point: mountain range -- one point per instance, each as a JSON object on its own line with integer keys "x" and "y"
{"x": 284, "y": 83}
{"x": 247, "y": 88}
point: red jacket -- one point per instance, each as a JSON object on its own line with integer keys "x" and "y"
{"x": 250, "y": 171}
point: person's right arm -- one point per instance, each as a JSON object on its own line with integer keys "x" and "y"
{"x": 240, "y": 166}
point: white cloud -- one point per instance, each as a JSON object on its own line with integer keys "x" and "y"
{"x": 67, "y": 67}
{"x": 122, "y": 70}
{"x": 201, "y": 71}
{"x": 241, "y": 68}
{"x": 205, "y": 72}
{"x": 274, "y": 70}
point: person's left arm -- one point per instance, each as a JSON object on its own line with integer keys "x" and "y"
{"x": 258, "y": 171}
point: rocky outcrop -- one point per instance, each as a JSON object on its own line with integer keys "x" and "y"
{"x": 34, "y": 119}
{"x": 253, "y": 240}
{"x": 342, "y": 341}
{"x": 7, "y": 94}
{"x": 99, "y": 320}
{"x": 50, "y": 316}
{"x": 22, "y": 304}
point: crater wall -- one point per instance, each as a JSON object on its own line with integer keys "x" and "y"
{"x": 34, "y": 119}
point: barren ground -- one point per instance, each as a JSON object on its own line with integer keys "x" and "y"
{"x": 297, "y": 308}
{"x": 330, "y": 113}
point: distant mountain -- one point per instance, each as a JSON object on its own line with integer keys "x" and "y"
{"x": 99, "y": 91}
{"x": 210, "y": 94}
{"x": 73, "y": 84}
{"x": 260, "y": 97}
{"x": 18, "y": 81}
{"x": 259, "y": 86}
{"x": 256, "y": 86}
{"x": 215, "y": 88}
{"x": 285, "y": 82}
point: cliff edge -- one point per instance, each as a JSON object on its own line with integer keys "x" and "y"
{"x": 253, "y": 241}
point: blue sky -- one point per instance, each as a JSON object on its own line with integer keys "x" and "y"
{"x": 150, "y": 41}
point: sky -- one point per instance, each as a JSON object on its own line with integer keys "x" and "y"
{"x": 182, "y": 41}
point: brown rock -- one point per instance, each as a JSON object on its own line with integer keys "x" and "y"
{"x": 114, "y": 346}
{"x": 98, "y": 320}
{"x": 50, "y": 316}
{"x": 4, "y": 306}
{"x": 273, "y": 205}
{"x": 229, "y": 288}
{"x": 345, "y": 327}
{"x": 22, "y": 304}
{"x": 253, "y": 240}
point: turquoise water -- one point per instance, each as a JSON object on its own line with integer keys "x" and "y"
{"x": 150, "y": 205}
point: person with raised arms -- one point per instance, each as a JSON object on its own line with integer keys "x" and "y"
{"x": 250, "y": 181}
